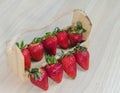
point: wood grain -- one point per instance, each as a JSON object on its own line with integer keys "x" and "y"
{"x": 104, "y": 73}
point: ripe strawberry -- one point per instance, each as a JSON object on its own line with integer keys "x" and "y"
{"x": 69, "y": 65}
{"x": 26, "y": 54}
{"x": 39, "y": 78}
{"x": 62, "y": 38}
{"x": 50, "y": 43}
{"x": 76, "y": 34}
{"x": 75, "y": 38}
{"x": 54, "y": 69}
{"x": 36, "y": 49}
{"x": 82, "y": 56}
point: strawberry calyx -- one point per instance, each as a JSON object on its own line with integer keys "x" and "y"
{"x": 77, "y": 29}
{"x": 21, "y": 45}
{"x": 36, "y": 40}
{"x": 35, "y": 73}
{"x": 62, "y": 54}
{"x": 79, "y": 48}
{"x": 48, "y": 34}
{"x": 51, "y": 59}
{"x": 69, "y": 53}
{"x": 56, "y": 30}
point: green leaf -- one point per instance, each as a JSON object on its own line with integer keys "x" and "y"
{"x": 79, "y": 25}
{"x": 69, "y": 53}
{"x": 48, "y": 34}
{"x": 35, "y": 77}
{"x": 43, "y": 38}
{"x": 50, "y": 59}
{"x": 57, "y": 29}
{"x": 82, "y": 30}
{"x": 17, "y": 44}
{"x": 22, "y": 44}
{"x": 34, "y": 70}
{"x": 82, "y": 48}
{"x": 77, "y": 47}
{"x": 39, "y": 74}
{"x": 46, "y": 58}
{"x": 78, "y": 28}
{"x": 36, "y": 40}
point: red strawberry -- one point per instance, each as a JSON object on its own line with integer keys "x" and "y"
{"x": 26, "y": 54}
{"x": 69, "y": 65}
{"x": 75, "y": 38}
{"x": 36, "y": 49}
{"x": 82, "y": 56}
{"x": 50, "y": 43}
{"x": 39, "y": 78}
{"x": 76, "y": 34}
{"x": 62, "y": 38}
{"x": 54, "y": 69}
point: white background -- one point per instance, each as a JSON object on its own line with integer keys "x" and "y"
{"x": 104, "y": 73}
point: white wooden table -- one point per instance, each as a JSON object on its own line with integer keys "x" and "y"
{"x": 104, "y": 73}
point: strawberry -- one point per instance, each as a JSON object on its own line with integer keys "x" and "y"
{"x": 39, "y": 78}
{"x": 36, "y": 49}
{"x": 26, "y": 54}
{"x": 75, "y": 38}
{"x": 54, "y": 69}
{"x": 76, "y": 34}
{"x": 69, "y": 65}
{"x": 50, "y": 43}
{"x": 82, "y": 56}
{"x": 62, "y": 37}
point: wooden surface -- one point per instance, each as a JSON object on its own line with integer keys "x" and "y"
{"x": 104, "y": 73}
